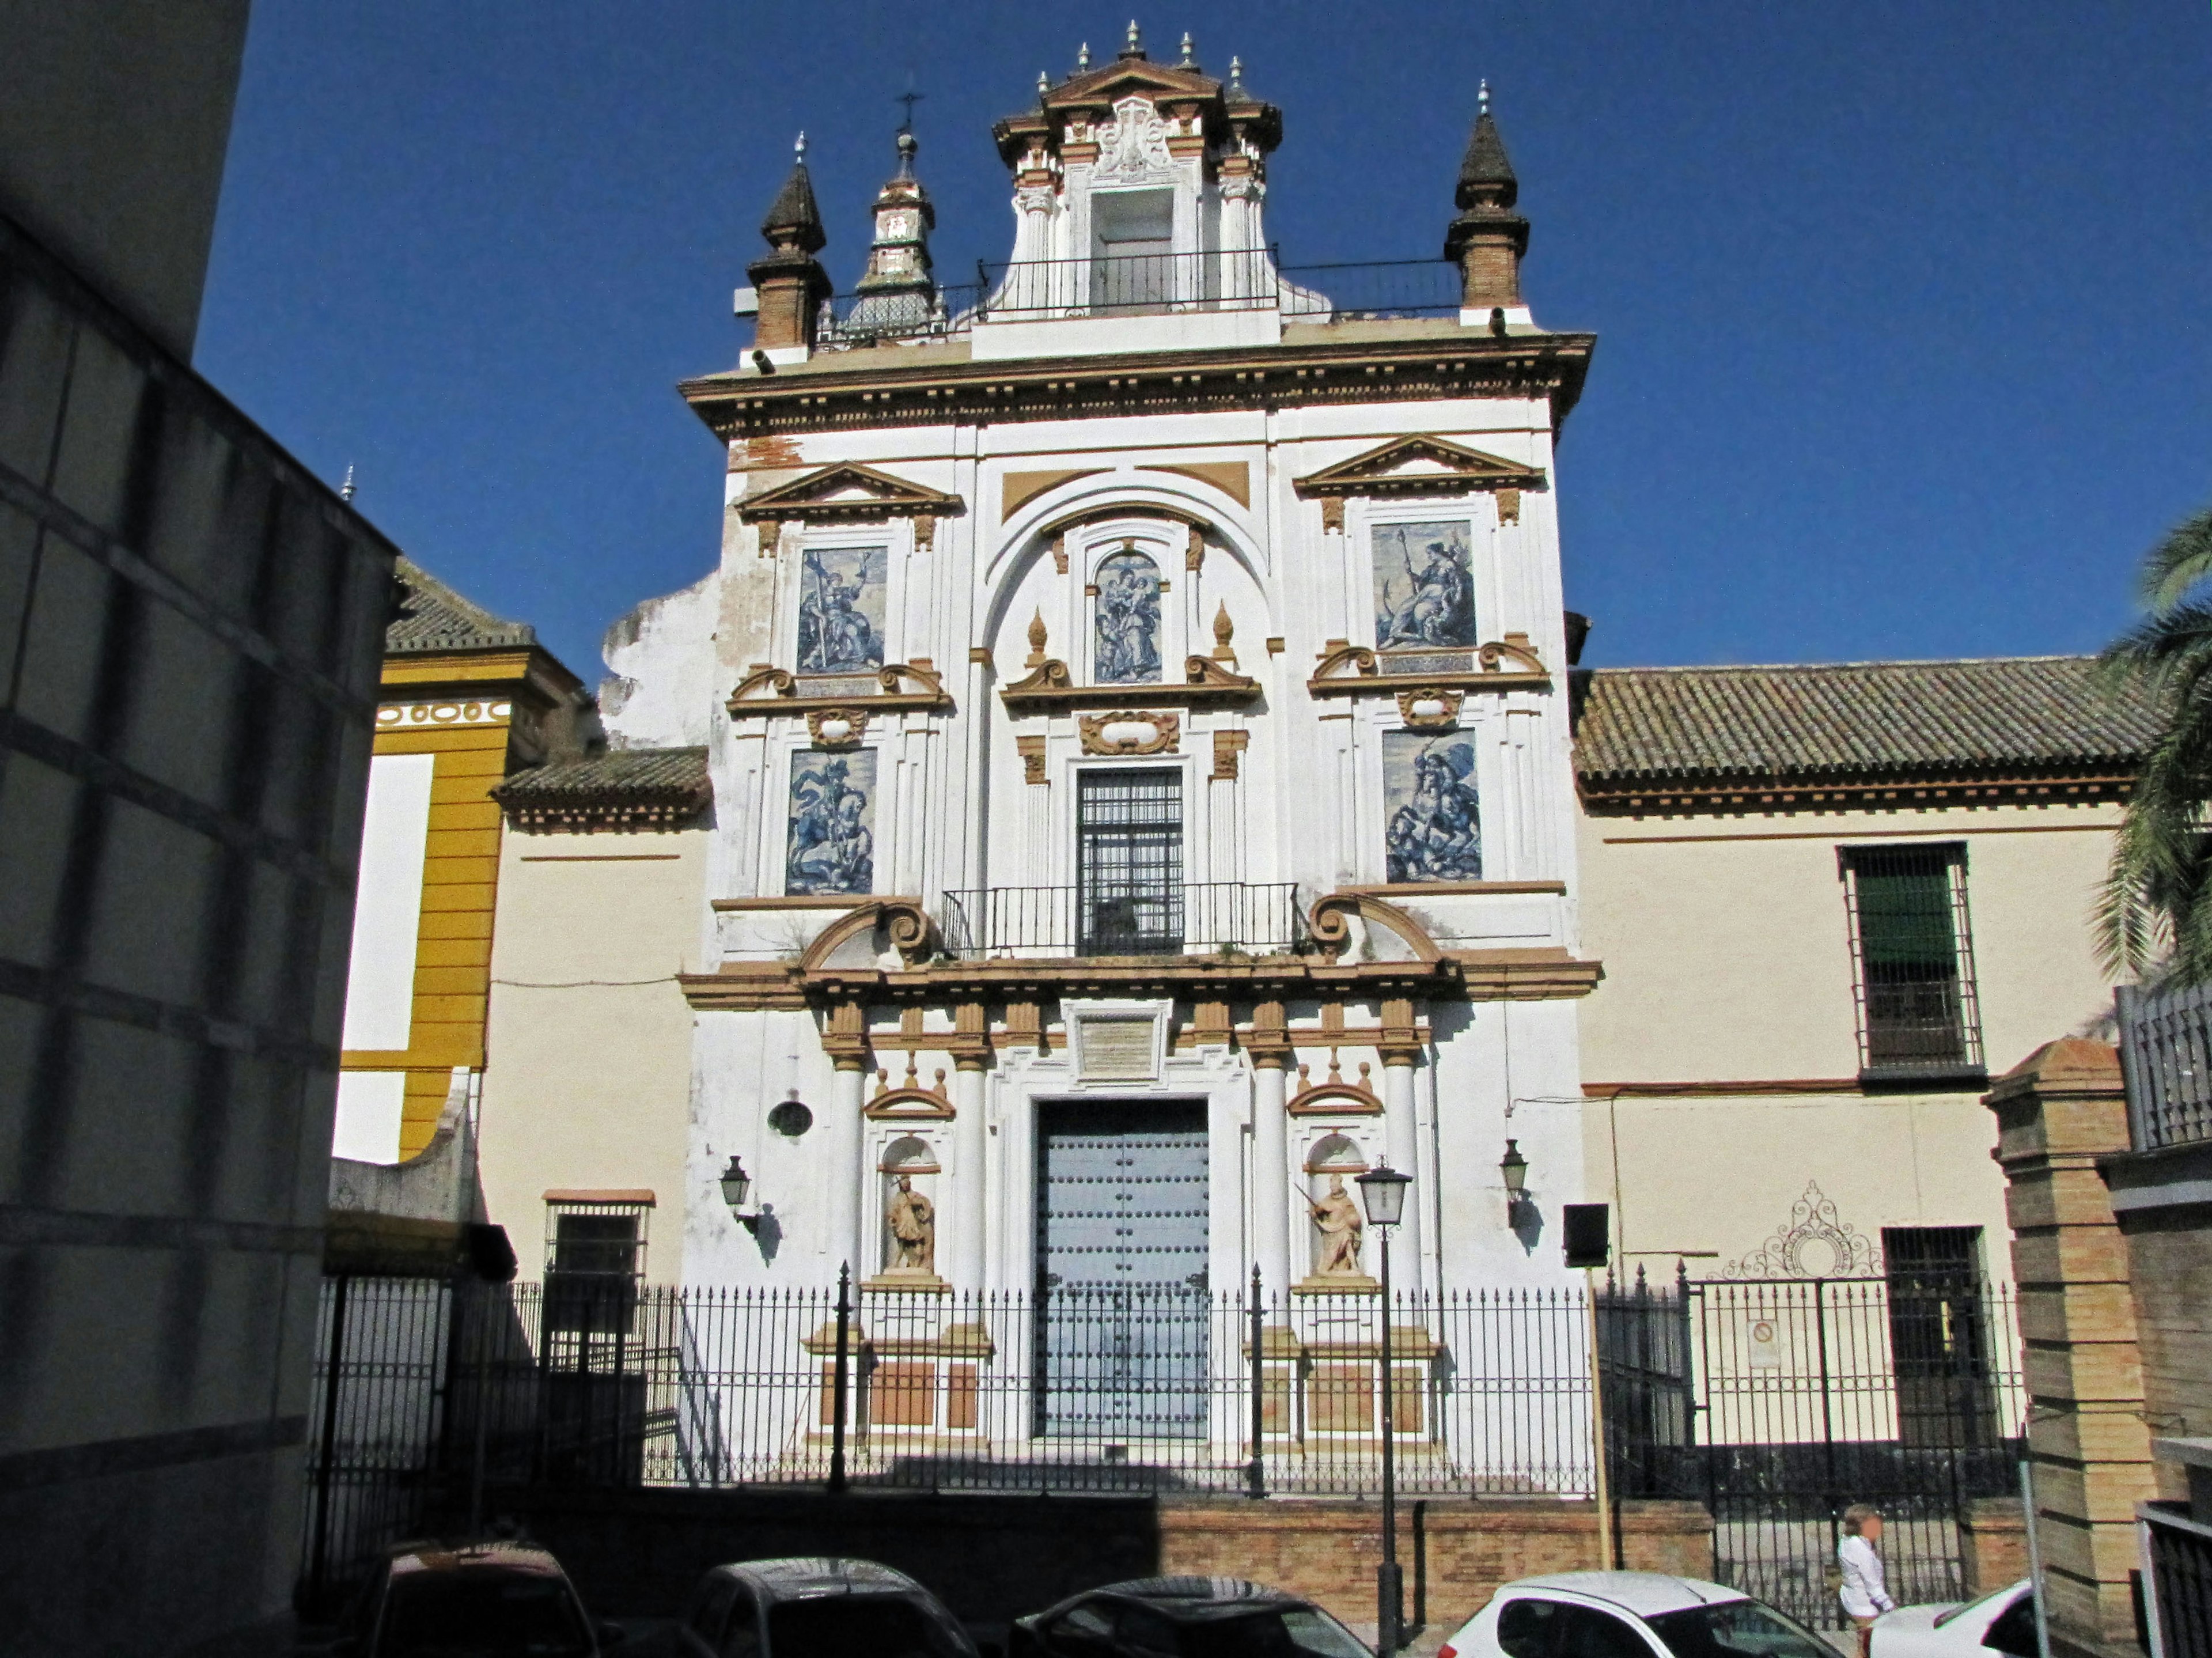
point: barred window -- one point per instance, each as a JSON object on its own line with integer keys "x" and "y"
{"x": 594, "y": 1260}
{"x": 1912, "y": 954}
{"x": 1128, "y": 862}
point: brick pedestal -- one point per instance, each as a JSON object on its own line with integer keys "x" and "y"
{"x": 2057, "y": 1112}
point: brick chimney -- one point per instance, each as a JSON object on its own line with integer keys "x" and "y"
{"x": 1488, "y": 238}
{"x": 790, "y": 281}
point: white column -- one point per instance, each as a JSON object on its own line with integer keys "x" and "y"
{"x": 847, "y": 1179}
{"x": 1401, "y": 1144}
{"x": 1271, "y": 1182}
{"x": 970, "y": 1150}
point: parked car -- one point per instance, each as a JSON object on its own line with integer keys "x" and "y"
{"x": 495, "y": 1599}
{"x": 2002, "y": 1621}
{"x": 1629, "y": 1614}
{"x": 817, "y": 1608}
{"x": 1184, "y": 1618}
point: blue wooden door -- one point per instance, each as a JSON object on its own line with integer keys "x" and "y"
{"x": 1122, "y": 1300}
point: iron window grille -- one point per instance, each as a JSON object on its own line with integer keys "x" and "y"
{"x": 1128, "y": 862}
{"x": 1913, "y": 960}
{"x": 594, "y": 1262}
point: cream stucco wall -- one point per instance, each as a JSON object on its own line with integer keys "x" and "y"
{"x": 588, "y": 1078}
{"x": 1728, "y": 961}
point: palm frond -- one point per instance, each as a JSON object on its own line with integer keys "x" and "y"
{"x": 2177, "y": 563}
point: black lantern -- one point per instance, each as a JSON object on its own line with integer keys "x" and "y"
{"x": 1514, "y": 1167}
{"x": 735, "y": 1184}
{"x": 1382, "y": 1194}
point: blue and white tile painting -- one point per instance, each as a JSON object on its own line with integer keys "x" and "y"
{"x": 1126, "y": 634}
{"x": 832, "y": 847}
{"x": 1433, "y": 830}
{"x": 841, "y": 610}
{"x": 1424, "y": 585}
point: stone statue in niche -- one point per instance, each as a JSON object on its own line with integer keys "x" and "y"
{"x": 1340, "y": 1224}
{"x": 913, "y": 1220}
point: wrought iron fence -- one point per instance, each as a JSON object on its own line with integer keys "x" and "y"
{"x": 1779, "y": 1402}
{"x": 2178, "y": 1553}
{"x": 2166, "y": 1054}
{"x": 1213, "y": 918}
{"x": 1775, "y": 1403}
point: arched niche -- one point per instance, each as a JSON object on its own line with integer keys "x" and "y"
{"x": 907, "y": 1176}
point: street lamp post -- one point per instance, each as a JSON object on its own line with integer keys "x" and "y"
{"x": 1382, "y": 1194}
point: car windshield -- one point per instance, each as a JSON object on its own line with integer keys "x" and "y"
{"x": 1287, "y": 1632}
{"x": 481, "y": 1614}
{"x": 1736, "y": 1629}
{"x": 879, "y": 1626}
{"x": 1993, "y": 1596}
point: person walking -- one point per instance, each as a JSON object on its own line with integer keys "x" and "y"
{"x": 1865, "y": 1595}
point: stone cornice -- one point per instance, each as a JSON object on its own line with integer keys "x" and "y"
{"x": 1051, "y": 688}
{"x": 862, "y": 391}
{"x": 1456, "y": 974}
{"x": 1705, "y": 796}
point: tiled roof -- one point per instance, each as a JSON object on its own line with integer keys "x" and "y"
{"x": 433, "y": 618}
{"x": 621, "y": 788}
{"x": 1640, "y": 729}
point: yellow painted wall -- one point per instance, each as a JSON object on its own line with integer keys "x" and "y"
{"x": 461, "y": 885}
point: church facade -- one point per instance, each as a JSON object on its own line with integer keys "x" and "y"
{"x": 1134, "y": 696}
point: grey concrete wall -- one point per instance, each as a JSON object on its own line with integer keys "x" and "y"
{"x": 190, "y": 638}
{"x": 112, "y": 131}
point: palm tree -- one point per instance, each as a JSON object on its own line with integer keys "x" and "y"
{"x": 2155, "y": 913}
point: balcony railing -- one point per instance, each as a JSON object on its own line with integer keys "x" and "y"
{"x": 2166, "y": 1054}
{"x": 1148, "y": 284}
{"x": 1213, "y": 918}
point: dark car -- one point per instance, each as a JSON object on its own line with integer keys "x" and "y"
{"x": 817, "y": 1608}
{"x": 1184, "y": 1618}
{"x": 497, "y": 1600}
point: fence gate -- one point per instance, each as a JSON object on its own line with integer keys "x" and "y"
{"x": 1779, "y": 1402}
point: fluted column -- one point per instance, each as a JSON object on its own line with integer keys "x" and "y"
{"x": 848, "y": 1140}
{"x": 971, "y": 1151}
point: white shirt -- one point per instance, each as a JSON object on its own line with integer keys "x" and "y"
{"x": 1864, "y": 1594}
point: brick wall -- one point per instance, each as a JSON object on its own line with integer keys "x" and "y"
{"x": 1453, "y": 1554}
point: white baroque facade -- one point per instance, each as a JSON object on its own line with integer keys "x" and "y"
{"x": 1139, "y": 725}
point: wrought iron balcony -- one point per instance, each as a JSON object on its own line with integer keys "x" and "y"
{"x": 1149, "y": 284}
{"x": 1213, "y": 918}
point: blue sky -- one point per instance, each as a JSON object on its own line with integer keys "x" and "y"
{"x": 1901, "y": 308}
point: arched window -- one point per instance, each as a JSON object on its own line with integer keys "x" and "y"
{"x": 1125, "y": 628}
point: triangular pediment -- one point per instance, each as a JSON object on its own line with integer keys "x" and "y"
{"x": 1404, "y": 464}
{"x": 846, "y": 490}
{"x": 1131, "y": 75}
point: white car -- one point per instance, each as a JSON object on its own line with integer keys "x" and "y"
{"x": 2002, "y": 1621}
{"x": 1629, "y": 1614}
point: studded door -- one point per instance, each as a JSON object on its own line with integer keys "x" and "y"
{"x": 1121, "y": 1247}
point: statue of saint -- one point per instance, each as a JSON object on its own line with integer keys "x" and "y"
{"x": 913, "y": 1220}
{"x": 1341, "y": 1222}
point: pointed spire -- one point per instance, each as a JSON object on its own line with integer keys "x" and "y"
{"x": 1485, "y": 175}
{"x": 1134, "y": 46}
{"x": 1189, "y": 51}
{"x": 898, "y": 292}
{"x": 794, "y": 222}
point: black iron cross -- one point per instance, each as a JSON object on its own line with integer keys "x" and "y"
{"x": 909, "y": 98}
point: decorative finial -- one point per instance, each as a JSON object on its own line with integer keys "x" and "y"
{"x": 1135, "y": 44}
{"x": 1036, "y": 641}
{"x": 1237, "y": 71}
{"x": 1189, "y": 51}
{"x": 1224, "y": 631}
{"x": 1044, "y": 83}
{"x": 798, "y": 150}
{"x": 1083, "y": 59}
{"x": 1483, "y": 95}
{"x": 345, "y": 490}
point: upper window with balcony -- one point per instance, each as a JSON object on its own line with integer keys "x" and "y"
{"x": 1912, "y": 955}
